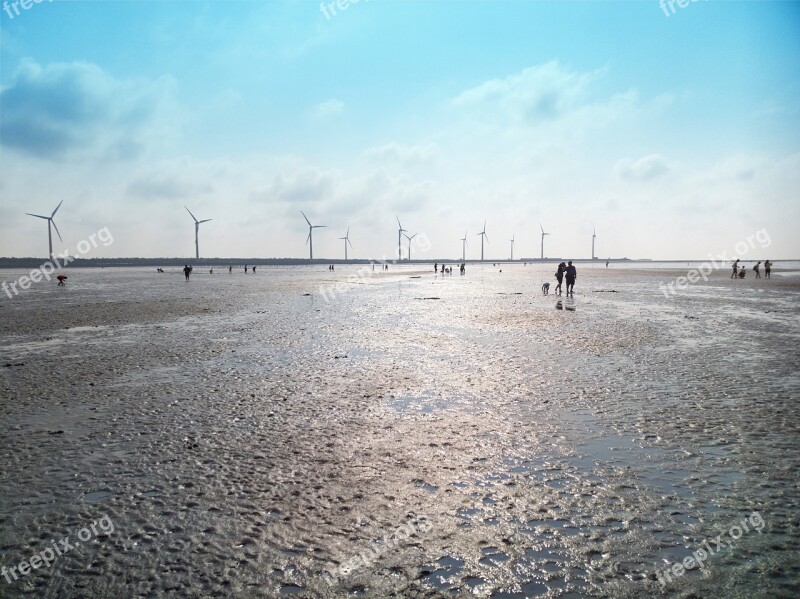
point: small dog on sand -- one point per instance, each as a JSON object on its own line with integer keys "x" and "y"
{"x": 546, "y": 288}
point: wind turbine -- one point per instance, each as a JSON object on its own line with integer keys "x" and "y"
{"x": 197, "y": 224}
{"x": 310, "y": 240}
{"x": 464, "y": 247}
{"x": 409, "y": 244}
{"x": 594, "y": 234}
{"x": 346, "y": 240}
{"x": 543, "y": 234}
{"x": 400, "y": 231}
{"x": 50, "y": 221}
{"x": 483, "y": 236}
{"x": 512, "y": 247}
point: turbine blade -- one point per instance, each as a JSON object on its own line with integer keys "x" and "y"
{"x": 308, "y": 238}
{"x": 350, "y": 242}
{"x": 57, "y": 207}
{"x": 204, "y": 221}
{"x": 38, "y": 216}
{"x": 305, "y": 217}
{"x": 56, "y": 228}
{"x": 190, "y": 213}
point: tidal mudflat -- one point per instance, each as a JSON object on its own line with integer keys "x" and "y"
{"x": 298, "y": 433}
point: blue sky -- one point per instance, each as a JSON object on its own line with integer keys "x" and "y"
{"x": 676, "y": 136}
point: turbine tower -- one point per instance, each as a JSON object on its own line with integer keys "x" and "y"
{"x": 346, "y": 240}
{"x": 483, "y": 236}
{"x": 543, "y": 234}
{"x": 400, "y": 231}
{"x": 594, "y": 235}
{"x": 197, "y": 224}
{"x": 50, "y": 222}
{"x": 464, "y": 247}
{"x": 310, "y": 239}
{"x": 409, "y": 244}
{"x": 512, "y": 247}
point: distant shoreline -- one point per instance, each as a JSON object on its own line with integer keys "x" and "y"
{"x": 240, "y": 262}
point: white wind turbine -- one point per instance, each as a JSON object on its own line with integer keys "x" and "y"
{"x": 346, "y": 240}
{"x": 409, "y": 244}
{"x": 310, "y": 239}
{"x": 400, "y": 231}
{"x": 512, "y": 247}
{"x": 483, "y": 236}
{"x": 50, "y": 222}
{"x": 464, "y": 247}
{"x": 543, "y": 234}
{"x": 594, "y": 236}
{"x": 197, "y": 224}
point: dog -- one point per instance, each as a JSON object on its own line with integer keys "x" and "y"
{"x": 546, "y": 288}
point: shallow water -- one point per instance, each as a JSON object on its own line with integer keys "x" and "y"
{"x": 246, "y": 434}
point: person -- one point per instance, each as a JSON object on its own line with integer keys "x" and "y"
{"x": 187, "y": 271}
{"x": 757, "y": 269}
{"x": 254, "y": 269}
{"x": 735, "y": 268}
{"x": 61, "y": 279}
{"x": 230, "y": 268}
{"x": 211, "y": 271}
{"x": 742, "y": 272}
{"x": 607, "y": 263}
{"x": 245, "y": 268}
{"x": 767, "y": 269}
{"x": 436, "y": 268}
{"x": 571, "y": 275}
{"x": 560, "y": 276}
{"x": 463, "y": 268}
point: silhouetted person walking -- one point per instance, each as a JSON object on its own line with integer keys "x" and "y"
{"x": 571, "y": 275}
{"x": 767, "y": 269}
{"x": 187, "y": 270}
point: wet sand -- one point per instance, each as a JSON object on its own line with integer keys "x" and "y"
{"x": 246, "y": 436}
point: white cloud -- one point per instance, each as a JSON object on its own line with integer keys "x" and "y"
{"x": 643, "y": 169}
{"x": 328, "y": 109}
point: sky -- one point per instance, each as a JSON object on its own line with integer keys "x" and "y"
{"x": 672, "y": 132}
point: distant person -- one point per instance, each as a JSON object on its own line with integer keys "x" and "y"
{"x": 767, "y": 269}
{"x": 562, "y": 268}
{"x": 187, "y": 270}
{"x": 463, "y": 268}
{"x": 735, "y": 268}
{"x": 571, "y": 274}
{"x": 607, "y": 263}
{"x": 742, "y": 272}
{"x": 61, "y": 279}
{"x": 246, "y": 268}
{"x": 436, "y": 267}
{"x": 211, "y": 271}
{"x": 230, "y": 268}
{"x": 254, "y": 269}
{"x": 757, "y": 269}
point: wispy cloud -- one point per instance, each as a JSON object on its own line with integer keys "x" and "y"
{"x": 328, "y": 109}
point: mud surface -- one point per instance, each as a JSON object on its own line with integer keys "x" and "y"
{"x": 249, "y": 436}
